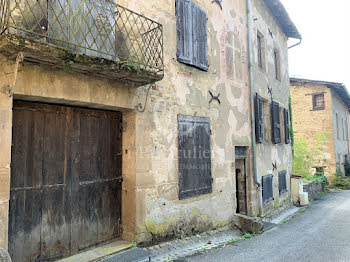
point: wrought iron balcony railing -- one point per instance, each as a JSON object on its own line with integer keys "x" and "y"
{"x": 94, "y": 28}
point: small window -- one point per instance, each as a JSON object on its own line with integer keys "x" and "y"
{"x": 259, "y": 119}
{"x": 267, "y": 188}
{"x": 191, "y": 28}
{"x": 318, "y": 101}
{"x": 337, "y": 123}
{"x": 194, "y": 156}
{"x": 282, "y": 182}
{"x": 276, "y": 56}
{"x": 320, "y": 170}
{"x": 261, "y": 51}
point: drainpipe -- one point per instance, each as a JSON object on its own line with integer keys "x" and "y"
{"x": 252, "y": 109}
{"x": 295, "y": 44}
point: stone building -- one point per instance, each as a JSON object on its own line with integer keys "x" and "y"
{"x": 321, "y": 107}
{"x": 136, "y": 122}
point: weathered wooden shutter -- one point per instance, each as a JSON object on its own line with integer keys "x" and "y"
{"x": 282, "y": 182}
{"x": 267, "y": 188}
{"x": 259, "y": 119}
{"x": 191, "y": 28}
{"x": 194, "y": 156}
{"x": 276, "y": 123}
{"x": 286, "y": 126}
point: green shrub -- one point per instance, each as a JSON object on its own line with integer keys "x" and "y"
{"x": 321, "y": 178}
{"x": 341, "y": 181}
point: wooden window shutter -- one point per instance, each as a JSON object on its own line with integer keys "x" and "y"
{"x": 200, "y": 45}
{"x": 259, "y": 119}
{"x": 194, "y": 156}
{"x": 267, "y": 184}
{"x": 191, "y": 28}
{"x": 282, "y": 182}
{"x": 184, "y": 31}
{"x": 286, "y": 126}
{"x": 276, "y": 123}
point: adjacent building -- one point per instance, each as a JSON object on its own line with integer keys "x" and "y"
{"x": 134, "y": 121}
{"x": 322, "y": 108}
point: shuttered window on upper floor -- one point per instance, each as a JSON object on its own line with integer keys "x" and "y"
{"x": 194, "y": 156}
{"x": 286, "y": 126}
{"x": 259, "y": 119}
{"x": 275, "y": 122}
{"x": 191, "y": 27}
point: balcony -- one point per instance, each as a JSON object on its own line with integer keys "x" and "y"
{"x": 95, "y": 37}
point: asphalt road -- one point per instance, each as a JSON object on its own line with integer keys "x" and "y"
{"x": 321, "y": 233}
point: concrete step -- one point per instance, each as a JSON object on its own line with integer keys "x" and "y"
{"x": 99, "y": 253}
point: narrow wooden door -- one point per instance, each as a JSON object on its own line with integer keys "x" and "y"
{"x": 65, "y": 180}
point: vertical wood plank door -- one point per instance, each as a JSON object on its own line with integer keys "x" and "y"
{"x": 65, "y": 180}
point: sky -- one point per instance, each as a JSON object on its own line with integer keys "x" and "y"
{"x": 324, "y": 53}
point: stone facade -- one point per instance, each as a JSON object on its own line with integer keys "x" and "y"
{"x": 268, "y": 153}
{"x": 309, "y": 122}
{"x": 151, "y": 209}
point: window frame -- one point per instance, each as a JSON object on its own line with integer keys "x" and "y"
{"x": 259, "y": 119}
{"x": 261, "y": 50}
{"x": 277, "y": 64}
{"x": 314, "y": 103}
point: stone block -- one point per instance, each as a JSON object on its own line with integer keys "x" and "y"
{"x": 304, "y": 199}
{"x": 4, "y": 184}
{"x": 4, "y": 256}
{"x": 5, "y": 137}
{"x": 4, "y": 212}
{"x": 249, "y": 224}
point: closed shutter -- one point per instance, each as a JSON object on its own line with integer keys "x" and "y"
{"x": 282, "y": 182}
{"x": 267, "y": 188}
{"x": 276, "y": 123}
{"x": 191, "y": 28}
{"x": 194, "y": 156}
{"x": 259, "y": 119}
{"x": 286, "y": 126}
{"x": 184, "y": 31}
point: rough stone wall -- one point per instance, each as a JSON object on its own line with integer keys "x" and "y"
{"x": 313, "y": 188}
{"x": 308, "y": 122}
{"x": 341, "y": 146}
{"x": 151, "y": 207}
{"x": 267, "y": 152}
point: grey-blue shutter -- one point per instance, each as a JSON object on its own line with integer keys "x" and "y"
{"x": 267, "y": 183}
{"x": 194, "y": 156}
{"x": 282, "y": 182}
{"x": 276, "y": 123}
{"x": 259, "y": 119}
{"x": 191, "y": 28}
{"x": 200, "y": 46}
{"x": 286, "y": 126}
{"x": 184, "y": 31}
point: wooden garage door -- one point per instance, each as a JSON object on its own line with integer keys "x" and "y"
{"x": 65, "y": 180}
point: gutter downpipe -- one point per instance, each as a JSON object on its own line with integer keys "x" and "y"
{"x": 252, "y": 109}
{"x": 296, "y": 43}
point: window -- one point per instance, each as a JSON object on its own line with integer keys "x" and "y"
{"x": 261, "y": 51}
{"x": 194, "y": 156}
{"x": 282, "y": 182}
{"x": 275, "y": 122}
{"x": 286, "y": 126}
{"x": 276, "y": 56}
{"x": 337, "y": 124}
{"x": 267, "y": 188}
{"x": 191, "y": 27}
{"x": 259, "y": 119}
{"x": 318, "y": 101}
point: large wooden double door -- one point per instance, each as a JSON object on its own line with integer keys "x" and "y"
{"x": 65, "y": 180}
